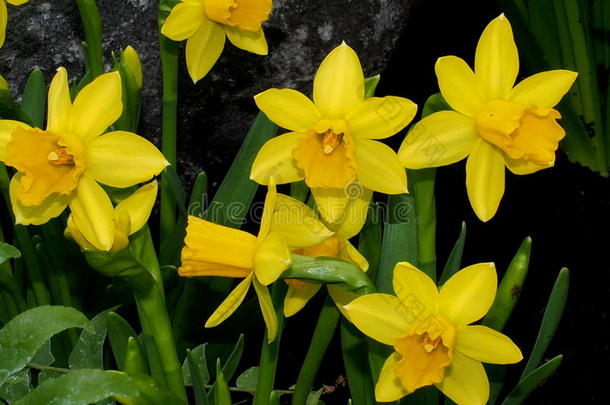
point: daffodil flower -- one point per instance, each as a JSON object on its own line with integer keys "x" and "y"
{"x": 206, "y": 23}
{"x": 338, "y": 246}
{"x": 215, "y": 250}
{"x": 130, "y": 215}
{"x": 333, "y": 142}
{"x": 494, "y": 124}
{"x": 434, "y": 343}
{"x": 62, "y": 165}
{"x": 4, "y": 16}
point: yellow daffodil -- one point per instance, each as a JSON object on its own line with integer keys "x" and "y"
{"x": 206, "y": 23}
{"x": 62, "y": 165}
{"x": 494, "y": 124}
{"x": 215, "y": 250}
{"x": 130, "y": 215}
{"x": 4, "y": 16}
{"x": 338, "y": 246}
{"x": 434, "y": 343}
{"x": 333, "y": 140}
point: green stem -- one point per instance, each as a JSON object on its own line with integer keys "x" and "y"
{"x": 269, "y": 354}
{"x": 421, "y": 183}
{"x": 92, "y": 25}
{"x": 323, "y": 334}
{"x": 169, "y": 66}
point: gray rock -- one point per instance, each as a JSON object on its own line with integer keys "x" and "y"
{"x": 214, "y": 114}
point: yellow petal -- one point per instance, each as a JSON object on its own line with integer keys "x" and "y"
{"x": 264, "y": 300}
{"x": 138, "y": 206}
{"x": 251, "y": 41}
{"x": 467, "y": 296}
{"x": 389, "y": 388}
{"x": 93, "y": 213}
{"x": 203, "y": 49}
{"x": 17, "y": 2}
{"x": 439, "y": 139}
{"x": 296, "y": 298}
{"x": 185, "y": 18}
{"x": 355, "y": 212}
{"x": 6, "y": 130}
{"x": 339, "y": 83}
{"x": 380, "y": 117}
{"x": 296, "y": 224}
{"x": 544, "y": 89}
{"x": 272, "y": 258}
{"x": 465, "y": 381}
{"x": 123, "y": 159}
{"x": 522, "y": 167}
{"x": 417, "y": 292}
{"x": 231, "y": 303}
{"x": 380, "y": 316}
{"x": 96, "y": 107}
{"x": 378, "y": 167}
{"x": 485, "y": 179}
{"x": 459, "y": 85}
{"x": 496, "y": 62}
{"x": 275, "y": 159}
{"x": 50, "y": 208}
{"x": 3, "y": 83}
{"x": 487, "y": 345}
{"x": 268, "y": 209}
{"x": 72, "y": 232}
{"x": 351, "y": 254}
{"x": 289, "y": 109}
{"x": 59, "y": 102}
{"x": 3, "y": 21}
{"x": 331, "y": 203}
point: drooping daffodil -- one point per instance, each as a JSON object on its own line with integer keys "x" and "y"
{"x": 206, "y": 23}
{"x": 130, "y": 215}
{"x": 493, "y": 123}
{"x": 63, "y": 165}
{"x": 430, "y": 331}
{"x": 333, "y": 142}
{"x": 215, "y": 250}
{"x": 337, "y": 246}
{"x": 4, "y": 16}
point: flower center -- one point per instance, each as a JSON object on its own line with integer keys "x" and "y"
{"x": 426, "y": 351}
{"x": 330, "y": 141}
{"x": 50, "y": 163}
{"x": 522, "y": 132}
{"x": 245, "y": 14}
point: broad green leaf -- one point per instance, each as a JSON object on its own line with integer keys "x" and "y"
{"x": 119, "y": 332}
{"x": 23, "y": 336}
{"x": 88, "y": 351}
{"x": 44, "y": 355}
{"x": 80, "y": 387}
{"x": 247, "y": 380}
{"x": 16, "y": 386}
{"x": 370, "y": 85}
{"x": 33, "y": 100}
{"x": 532, "y": 380}
{"x": 435, "y": 103}
{"x": 355, "y": 358}
{"x": 550, "y": 320}
{"x": 8, "y": 252}
{"x": 454, "y": 262}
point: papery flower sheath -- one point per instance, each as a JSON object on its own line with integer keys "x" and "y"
{"x": 206, "y": 23}
{"x": 130, "y": 215}
{"x": 215, "y": 250}
{"x": 333, "y": 142}
{"x": 4, "y": 16}
{"x": 493, "y": 123}
{"x": 430, "y": 331}
{"x": 63, "y": 165}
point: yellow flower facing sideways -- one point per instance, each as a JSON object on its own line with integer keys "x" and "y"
{"x": 206, "y": 23}
{"x": 434, "y": 343}
{"x": 130, "y": 215}
{"x": 337, "y": 246}
{"x": 63, "y": 165}
{"x": 494, "y": 124}
{"x": 333, "y": 142}
{"x": 215, "y": 250}
{"x": 4, "y": 16}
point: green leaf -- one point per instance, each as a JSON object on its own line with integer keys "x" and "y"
{"x": 222, "y": 395}
{"x": 119, "y": 332}
{"x": 248, "y": 379}
{"x": 150, "y": 392}
{"x": 33, "y": 101}
{"x": 314, "y": 397}
{"x": 532, "y": 380}
{"x": 44, "y": 355}
{"x": 435, "y": 103}
{"x": 80, "y": 387}
{"x": 421, "y": 184}
{"x": 510, "y": 288}
{"x": 8, "y": 252}
{"x": 370, "y": 85}
{"x": 135, "y": 359}
{"x": 10, "y": 110}
{"x": 355, "y": 358}
{"x": 23, "y": 336}
{"x": 369, "y": 240}
{"x": 198, "y": 375}
{"x": 454, "y": 262}
{"x": 170, "y": 176}
{"x": 230, "y": 366}
{"x": 198, "y": 357}
{"x": 88, "y": 351}
{"x": 16, "y": 386}
{"x": 199, "y": 196}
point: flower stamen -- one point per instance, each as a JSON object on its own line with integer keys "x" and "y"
{"x": 61, "y": 157}
{"x": 330, "y": 141}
